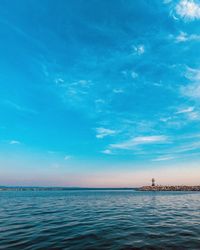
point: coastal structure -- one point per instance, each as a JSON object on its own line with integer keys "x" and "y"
{"x": 155, "y": 187}
{"x": 170, "y": 188}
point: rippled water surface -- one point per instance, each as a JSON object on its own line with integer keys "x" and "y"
{"x": 99, "y": 220}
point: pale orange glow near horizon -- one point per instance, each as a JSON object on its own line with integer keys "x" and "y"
{"x": 173, "y": 175}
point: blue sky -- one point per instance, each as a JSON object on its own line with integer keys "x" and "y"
{"x": 99, "y": 93}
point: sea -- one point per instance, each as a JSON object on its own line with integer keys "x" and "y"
{"x": 99, "y": 219}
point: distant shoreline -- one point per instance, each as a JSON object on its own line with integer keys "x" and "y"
{"x": 5, "y": 188}
{"x": 144, "y": 188}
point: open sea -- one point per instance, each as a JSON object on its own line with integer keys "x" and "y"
{"x": 99, "y": 219}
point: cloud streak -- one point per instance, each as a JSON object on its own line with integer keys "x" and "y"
{"x": 107, "y": 152}
{"x": 139, "y": 49}
{"x": 14, "y": 142}
{"x": 192, "y": 89}
{"x": 67, "y": 157}
{"x": 164, "y": 158}
{"x": 104, "y": 132}
{"x": 184, "y": 37}
{"x": 18, "y": 107}
{"x": 140, "y": 140}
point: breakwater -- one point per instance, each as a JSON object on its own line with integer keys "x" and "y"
{"x": 169, "y": 188}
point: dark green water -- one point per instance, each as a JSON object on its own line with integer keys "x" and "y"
{"x": 95, "y": 219}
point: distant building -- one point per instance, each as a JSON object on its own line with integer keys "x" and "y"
{"x": 153, "y": 182}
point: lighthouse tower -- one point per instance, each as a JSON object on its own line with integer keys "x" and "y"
{"x": 153, "y": 182}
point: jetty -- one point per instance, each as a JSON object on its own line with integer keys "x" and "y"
{"x": 169, "y": 188}
{"x": 155, "y": 187}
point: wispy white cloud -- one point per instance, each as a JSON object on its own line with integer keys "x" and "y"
{"x": 188, "y": 9}
{"x": 103, "y": 132}
{"x": 190, "y": 136}
{"x": 134, "y": 74}
{"x": 193, "y": 74}
{"x": 190, "y": 113}
{"x": 84, "y": 82}
{"x": 124, "y": 73}
{"x": 180, "y": 116}
{"x": 118, "y": 91}
{"x": 67, "y": 157}
{"x": 18, "y": 107}
{"x": 59, "y": 81}
{"x": 163, "y": 158}
{"x": 140, "y": 140}
{"x": 185, "y": 110}
{"x": 192, "y": 89}
{"x": 184, "y": 37}
{"x": 166, "y": 119}
{"x": 78, "y": 94}
{"x": 100, "y": 101}
{"x": 63, "y": 83}
{"x": 194, "y": 116}
{"x": 14, "y": 142}
{"x": 107, "y": 152}
{"x": 186, "y": 147}
{"x": 139, "y": 49}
